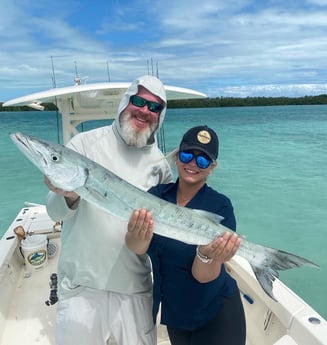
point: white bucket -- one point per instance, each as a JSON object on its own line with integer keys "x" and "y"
{"x": 35, "y": 252}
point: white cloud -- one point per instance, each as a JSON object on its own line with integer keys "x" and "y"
{"x": 239, "y": 48}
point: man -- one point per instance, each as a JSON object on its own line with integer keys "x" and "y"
{"x": 105, "y": 289}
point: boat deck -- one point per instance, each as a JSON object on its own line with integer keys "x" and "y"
{"x": 30, "y": 319}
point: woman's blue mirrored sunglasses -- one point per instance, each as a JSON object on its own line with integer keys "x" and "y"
{"x": 202, "y": 160}
{"x": 141, "y": 102}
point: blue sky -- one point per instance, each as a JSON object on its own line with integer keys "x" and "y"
{"x": 235, "y": 48}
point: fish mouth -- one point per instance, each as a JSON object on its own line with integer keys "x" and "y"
{"x": 21, "y": 142}
{"x": 18, "y": 138}
{"x": 25, "y": 144}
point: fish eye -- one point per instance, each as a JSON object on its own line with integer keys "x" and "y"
{"x": 54, "y": 157}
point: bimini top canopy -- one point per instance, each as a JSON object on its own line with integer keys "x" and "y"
{"x": 80, "y": 103}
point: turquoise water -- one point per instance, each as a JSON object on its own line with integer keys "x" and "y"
{"x": 272, "y": 164}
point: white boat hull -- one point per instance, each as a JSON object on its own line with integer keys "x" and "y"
{"x": 26, "y": 319}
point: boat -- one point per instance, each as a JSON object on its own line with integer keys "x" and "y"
{"x": 85, "y": 102}
{"x": 28, "y": 288}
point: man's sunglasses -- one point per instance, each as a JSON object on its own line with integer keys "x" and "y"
{"x": 141, "y": 102}
{"x": 202, "y": 160}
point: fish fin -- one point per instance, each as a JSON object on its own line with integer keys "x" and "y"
{"x": 213, "y": 217}
{"x": 277, "y": 260}
{"x": 266, "y": 277}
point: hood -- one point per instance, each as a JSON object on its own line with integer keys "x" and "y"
{"x": 151, "y": 83}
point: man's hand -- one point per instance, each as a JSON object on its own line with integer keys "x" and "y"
{"x": 70, "y": 197}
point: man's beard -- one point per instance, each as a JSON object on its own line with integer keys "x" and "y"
{"x": 131, "y": 136}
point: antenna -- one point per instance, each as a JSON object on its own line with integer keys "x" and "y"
{"x": 76, "y": 73}
{"x": 157, "y": 70}
{"x": 53, "y": 74}
{"x": 152, "y": 69}
{"x": 55, "y": 99}
{"x": 77, "y": 78}
{"x": 108, "y": 71}
{"x": 161, "y": 132}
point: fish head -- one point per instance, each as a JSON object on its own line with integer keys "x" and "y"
{"x": 63, "y": 166}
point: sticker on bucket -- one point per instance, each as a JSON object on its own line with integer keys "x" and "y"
{"x": 37, "y": 258}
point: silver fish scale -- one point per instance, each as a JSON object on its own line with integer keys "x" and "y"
{"x": 117, "y": 196}
{"x": 183, "y": 224}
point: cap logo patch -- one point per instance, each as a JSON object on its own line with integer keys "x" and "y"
{"x": 204, "y": 137}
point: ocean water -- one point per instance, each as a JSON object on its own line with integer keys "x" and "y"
{"x": 272, "y": 164}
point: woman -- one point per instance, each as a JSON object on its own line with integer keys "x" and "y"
{"x": 200, "y": 302}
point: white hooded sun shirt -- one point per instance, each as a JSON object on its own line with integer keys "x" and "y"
{"x": 93, "y": 252}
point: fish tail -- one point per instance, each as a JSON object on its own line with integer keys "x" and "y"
{"x": 275, "y": 261}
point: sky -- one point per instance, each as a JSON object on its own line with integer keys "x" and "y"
{"x": 234, "y": 48}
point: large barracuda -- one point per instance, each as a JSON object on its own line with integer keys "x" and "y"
{"x": 68, "y": 170}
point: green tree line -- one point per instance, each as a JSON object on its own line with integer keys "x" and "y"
{"x": 215, "y": 102}
{"x": 246, "y": 102}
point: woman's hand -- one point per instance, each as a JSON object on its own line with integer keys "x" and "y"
{"x": 220, "y": 250}
{"x": 223, "y": 248}
{"x": 139, "y": 231}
